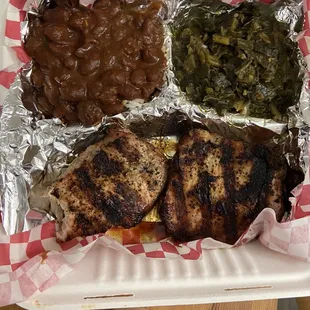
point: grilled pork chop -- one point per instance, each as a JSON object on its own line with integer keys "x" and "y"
{"x": 113, "y": 183}
{"x": 217, "y": 187}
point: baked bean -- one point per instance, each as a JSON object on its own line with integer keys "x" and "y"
{"x": 88, "y": 60}
{"x": 44, "y": 106}
{"x": 67, "y": 3}
{"x": 94, "y": 89}
{"x": 112, "y": 107}
{"x": 129, "y": 92}
{"x": 51, "y": 90}
{"x": 62, "y": 34}
{"x": 37, "y": 76}
{"x": 83, "y": 21}
{"x": 128, "y": 63}
{"x": 118, "y": 32}
{"x": 150, "y": 55}
{"x": 58, "y": 15}
{"x": 147, "y": 90}
{"x": 138, "y": 77}
{"x": 71, "y": 90}
{"x": 46, "y": 59}
{"x": 139, "y": 20}
{"x": 89, "y": 65}
{"x": 61, "y": 51}
{"x": 71, "y": 63}
{"x": 102, "y": 4}
{"x": 33, "y": 44}
{"x": 85, "y": 50}
{"x": 154, "y": 75}
{"x": 115, "y": 77}
{"x": 67, "y": 111}
{"x": 108, "y": 62}
{"x": 89, "y": 113}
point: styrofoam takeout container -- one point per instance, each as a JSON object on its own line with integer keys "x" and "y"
{"x": 107, "y": 279}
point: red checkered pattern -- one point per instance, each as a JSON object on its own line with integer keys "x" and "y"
{"x": 33, "y": 261}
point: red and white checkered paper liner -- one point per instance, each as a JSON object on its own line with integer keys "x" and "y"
{"x": 32, "y": 261}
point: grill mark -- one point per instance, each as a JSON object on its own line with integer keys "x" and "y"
{"x": 128, "y": 151}
{"x": 111, "y": 206}
{"x": 178, "y": 186}
{"x": 228, "y": 206}
{"x": 103, "y": 165}
{"x": 202, "y": 190}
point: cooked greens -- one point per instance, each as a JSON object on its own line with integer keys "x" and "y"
{"x": 237, "y": 60}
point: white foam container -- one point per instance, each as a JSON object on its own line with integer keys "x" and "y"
{"x": 107, "y": 279}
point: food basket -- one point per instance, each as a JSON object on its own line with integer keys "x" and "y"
{"x": 61, "y": 276}
{"x": 106, "y": 279}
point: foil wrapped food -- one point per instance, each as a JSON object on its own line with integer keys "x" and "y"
{"x": 35, "y": 151}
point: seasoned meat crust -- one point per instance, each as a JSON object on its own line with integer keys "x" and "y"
{"x": 113, "y": 183}
{"x": 217, "y": 187}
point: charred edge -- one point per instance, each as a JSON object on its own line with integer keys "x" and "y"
{"x": 228, "y": 207}
{"x": 55, "y": 193}
{"x": 105, "y": 166}
{"x": 86, "y": 226}
{"x": 129, "y": 153}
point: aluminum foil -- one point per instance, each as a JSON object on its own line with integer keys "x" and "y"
{"x": 35, "y": 151}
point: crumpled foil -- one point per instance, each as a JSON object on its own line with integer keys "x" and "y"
{"x": 35, "y": 151}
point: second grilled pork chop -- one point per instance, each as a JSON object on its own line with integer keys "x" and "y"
{"x": 217, "y": 187}
{"x": 113, "y": 183}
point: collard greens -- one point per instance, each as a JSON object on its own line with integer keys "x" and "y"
{"x": 236, "y": 60}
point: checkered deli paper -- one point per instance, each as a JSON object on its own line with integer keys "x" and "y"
{"x": 32, "y": 261}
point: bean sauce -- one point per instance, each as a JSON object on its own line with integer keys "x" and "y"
{"x": 87, "y": 62}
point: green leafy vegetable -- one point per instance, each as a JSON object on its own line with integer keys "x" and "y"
{"x": 237, "y": 60}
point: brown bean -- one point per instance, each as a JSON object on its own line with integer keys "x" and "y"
{"x": 139, "y": 20}
{"x": 67, "y": 3}
{"x": 101, "y": 4}
{"x": 28, "y": 99}
{"x": 32, "y": 45}
{"x": 154, "y": 75}
{"x": 45, "y": 107}
{"x": 61, "y": 50}
{"x": 46, "y": 59}
{"x": 147, "y": 90}
{"x": 61, "y": 34}
{"x": 115, "y": 77}
{"x": 118, "y": 32}
{"x": 89, "y": 65}
{"x": 128, "y": 63}
{"x": 150, "y": 55}
{"x": 65, "y": 110}
{"x": 99, "y": 30}
{"x": 37, "y": 76}
{"x": 85, "y": 50}
{"x": 73, "y": 91}
{"x": 108, "y": 61}
{"x": 58, "y": 15}
{"x": 114, "y": 8}
{"x": 138, "y": 77}
{"x": 89, "y": 113}
{"x": 94, "y": 89}
{"x": 83, "y": 21}
{"x": 132, "y": 46}
{"x": 51, "y": 90}
{"x": 129, "y": 92}
{"x": 71, "y": 63}
{"x": 112, "y": 107}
